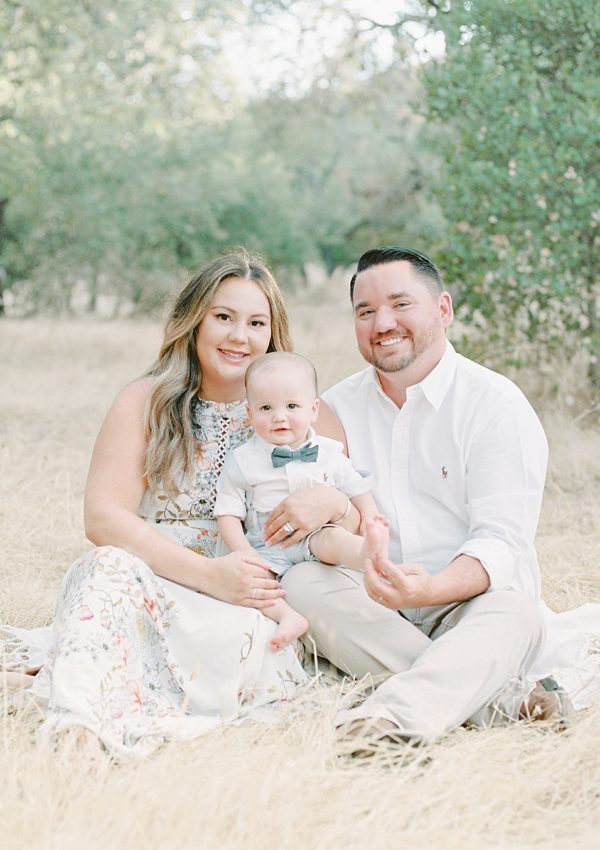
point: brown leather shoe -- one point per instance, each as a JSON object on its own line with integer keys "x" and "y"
{"x": 548, "y": 701}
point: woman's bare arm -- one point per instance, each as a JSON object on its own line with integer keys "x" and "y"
{"x": 114, "y": 489}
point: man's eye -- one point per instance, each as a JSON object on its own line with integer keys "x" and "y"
{"x": 400, "y": 304}
{"x": 364, "y": 314}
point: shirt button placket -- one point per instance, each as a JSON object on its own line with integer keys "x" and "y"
{"x": 405, "y": 517}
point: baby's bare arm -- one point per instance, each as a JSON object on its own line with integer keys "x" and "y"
{"x": 231, "y": 531}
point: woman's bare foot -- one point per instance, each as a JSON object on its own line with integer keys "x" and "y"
{"x": 377, "y": 539}
{"x": 291, "y": 626}
{"x": 14, "y": 681}
{"x": 82, "y": 743}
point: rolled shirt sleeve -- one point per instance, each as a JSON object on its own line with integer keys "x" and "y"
{"x": 505, "y": 479}
{"x": 231, "y": 490}
{"x": 349, "y": 480}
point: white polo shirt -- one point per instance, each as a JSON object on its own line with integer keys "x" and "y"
{"x": 458, "y": 469}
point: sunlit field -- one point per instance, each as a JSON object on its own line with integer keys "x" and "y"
{"x": 281, "y": 786}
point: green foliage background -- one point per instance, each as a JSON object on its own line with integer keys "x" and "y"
{"x": 133, "y": 145}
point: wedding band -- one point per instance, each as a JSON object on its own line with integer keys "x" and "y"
{"x": 287, "y": 526}
{"x": 253, "y": 592}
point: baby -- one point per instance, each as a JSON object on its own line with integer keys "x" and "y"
{"x": 285, "y": 455}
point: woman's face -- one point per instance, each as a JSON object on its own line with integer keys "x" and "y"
{"x": 235, "y": 331}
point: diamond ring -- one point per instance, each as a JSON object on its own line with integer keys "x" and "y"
{"x": 287, "y": 526}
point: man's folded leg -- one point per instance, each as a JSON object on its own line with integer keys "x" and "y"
{"x": 356, "y": 634}
{"x": 479, "y": 651}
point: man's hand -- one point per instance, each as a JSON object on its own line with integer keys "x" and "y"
{"x": 411, "y": 586}
{"x": 399, "y": 585}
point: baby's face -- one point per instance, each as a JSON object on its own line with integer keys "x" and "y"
{"x": 282, "y": 405}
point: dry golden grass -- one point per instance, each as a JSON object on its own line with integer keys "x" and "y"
{"x": 254, "y": 786}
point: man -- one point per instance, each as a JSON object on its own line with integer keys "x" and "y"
{"x": 458, "y": 458}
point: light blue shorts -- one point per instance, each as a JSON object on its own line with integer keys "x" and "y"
{"x": 279, "y": 559}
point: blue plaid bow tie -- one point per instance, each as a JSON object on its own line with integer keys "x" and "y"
{"x": 283, "y": 454}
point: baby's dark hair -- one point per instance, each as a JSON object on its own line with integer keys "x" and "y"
{"x": 283, "y": 360}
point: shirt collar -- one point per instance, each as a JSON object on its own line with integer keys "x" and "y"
{"x": 434, "y": 386}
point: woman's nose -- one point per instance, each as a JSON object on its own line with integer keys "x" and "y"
{"x": 238, "y": 332}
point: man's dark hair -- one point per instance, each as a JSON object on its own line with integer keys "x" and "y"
{"x": 422, "y": 264}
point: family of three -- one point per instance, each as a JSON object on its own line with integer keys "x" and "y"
{"x": 411, "y": 559}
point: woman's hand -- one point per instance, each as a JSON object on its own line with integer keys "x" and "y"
{"x": 244, "y": 579}
{"x": 303, "y": 511}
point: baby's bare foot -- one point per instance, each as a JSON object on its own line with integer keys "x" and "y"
{"x": 377, "y": 539}
{"x": 291, "y": 626}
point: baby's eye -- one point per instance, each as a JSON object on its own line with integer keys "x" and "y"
{"x": 292, "y": 405}
{"x": 265, "y": 407}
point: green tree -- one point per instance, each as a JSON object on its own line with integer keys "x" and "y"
{"x": 519, "y": 89}
{"x": 93, "y": 101}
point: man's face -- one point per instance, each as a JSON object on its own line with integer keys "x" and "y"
{"x": 398, "y": 319}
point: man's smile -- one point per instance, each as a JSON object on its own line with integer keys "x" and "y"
{"x": 391, "y": 340}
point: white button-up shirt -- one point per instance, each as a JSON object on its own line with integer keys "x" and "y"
{"x": 249, "y": 479}
{"x": 458, "y": 469}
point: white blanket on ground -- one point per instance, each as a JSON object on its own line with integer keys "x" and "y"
{"x": 571, "y": 653}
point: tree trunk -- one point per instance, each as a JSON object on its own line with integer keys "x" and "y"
{"x": 594, "y": 319}
{"x": 3, "y": 203}
{"x": 93, "y": 302}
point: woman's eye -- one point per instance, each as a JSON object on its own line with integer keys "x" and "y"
{"x": 223, "y": 316}
{"x": 258, "y": 323}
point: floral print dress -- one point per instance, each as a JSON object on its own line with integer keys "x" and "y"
{"x": 139, "y": 659}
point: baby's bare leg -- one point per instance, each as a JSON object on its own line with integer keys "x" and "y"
{"x": 333, "y": 545}
{"x": 291, "y": 624}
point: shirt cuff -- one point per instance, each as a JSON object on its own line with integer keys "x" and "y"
{"x": 495, "y": 556}
{"x": 356, "y": 488}
{"x": 228, "y": 506}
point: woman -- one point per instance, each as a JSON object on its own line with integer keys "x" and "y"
{"x": 145, "y": 647}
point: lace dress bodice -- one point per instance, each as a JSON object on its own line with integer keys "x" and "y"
{"x": 188, "y": 517}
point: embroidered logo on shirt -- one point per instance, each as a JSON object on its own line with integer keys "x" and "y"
{"x": 444, "y": 472}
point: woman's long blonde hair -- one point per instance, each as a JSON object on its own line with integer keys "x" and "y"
{"x": 170, "y": 447}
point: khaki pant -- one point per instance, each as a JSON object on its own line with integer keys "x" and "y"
{"x": 442, "y": 665}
